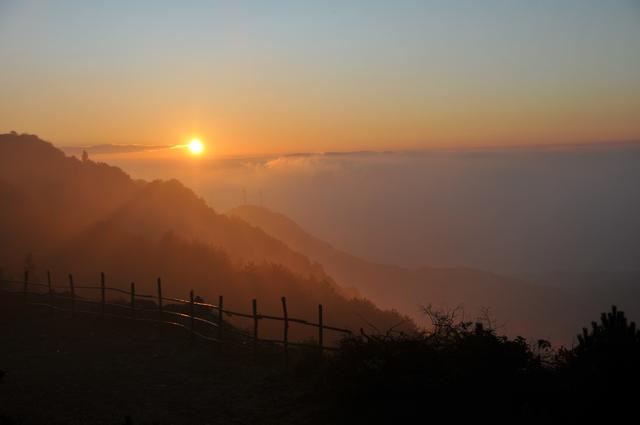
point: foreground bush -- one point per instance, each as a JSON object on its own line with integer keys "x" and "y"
{"x": 602, "y": 372}
{"x": 460, "y": 371}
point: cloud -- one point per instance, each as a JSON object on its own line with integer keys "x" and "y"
{"x": 113, "y": 149}
{"x": 299, "y": 163}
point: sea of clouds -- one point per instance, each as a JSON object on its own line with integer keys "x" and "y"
{"x": 506, "y": 210}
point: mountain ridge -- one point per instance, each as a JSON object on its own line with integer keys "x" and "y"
{"x": 66, "y": 215}
{"x": 520, "y": 306}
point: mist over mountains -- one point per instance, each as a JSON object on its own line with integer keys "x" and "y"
{"x": 65, "y": 215}
{"x": 521, "y": 211}
{"x": 77, "y": 215}
{"x": 535, "y": 308}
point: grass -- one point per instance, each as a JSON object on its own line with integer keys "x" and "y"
{"x": 85, "y": 370}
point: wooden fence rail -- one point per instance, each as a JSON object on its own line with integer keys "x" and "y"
{"x": 188, "y": 320}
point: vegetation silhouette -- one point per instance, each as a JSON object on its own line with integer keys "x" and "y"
{"x": 464, "y": 371}
{"x": 611, "y": 344}
{"x": 603, "y": 370}
{"x": 456, "y": 371}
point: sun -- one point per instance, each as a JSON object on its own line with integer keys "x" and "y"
{"x": 196, "y": 147}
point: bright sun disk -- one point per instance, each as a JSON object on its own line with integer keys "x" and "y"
{"x": 196, "y": 146}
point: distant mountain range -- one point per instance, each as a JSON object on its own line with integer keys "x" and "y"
{"x": 518, "y": 306}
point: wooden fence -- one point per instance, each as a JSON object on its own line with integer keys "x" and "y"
{"x": 195, "y": 317}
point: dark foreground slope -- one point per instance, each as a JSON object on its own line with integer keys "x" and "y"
{"x": 63, "y": 371}
{"x": 65, "y": 215}
{"x": 87, "y": 371}
{"x": 551, "y": 312}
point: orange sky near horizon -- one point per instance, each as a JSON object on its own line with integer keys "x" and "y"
{"x": 493, "y": 120}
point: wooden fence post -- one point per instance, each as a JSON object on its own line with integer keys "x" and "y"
{"x": 73, "y": 295}
{"x": 103, "y": 295}
{"x": 191, "y": 320}
{"x": 25, "y": 286}
{"x": 160, "y": 315}
{"x": 220, "y": 318}
{"x": 50, "y": 287}
{"x": 286, "y": 328}
{"x": 254, "y": 305}
{"x": 320, "y": 328}
{"x": 133, "y": 300}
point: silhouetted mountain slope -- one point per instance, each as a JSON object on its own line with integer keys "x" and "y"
{"x": 69, "y": 215}
{"x": 524, "y": 308}
{"x": 60, "y": 197}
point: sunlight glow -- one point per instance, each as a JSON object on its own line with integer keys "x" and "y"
{"x": 196, "y": 147}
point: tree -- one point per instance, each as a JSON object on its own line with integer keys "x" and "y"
{"x": 609, "y": 348}
{"x": 599, "y": 373}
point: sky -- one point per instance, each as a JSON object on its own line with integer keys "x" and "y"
{"x": 308, "y": 76}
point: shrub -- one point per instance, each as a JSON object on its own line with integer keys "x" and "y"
{"x": 458, "y": 370}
